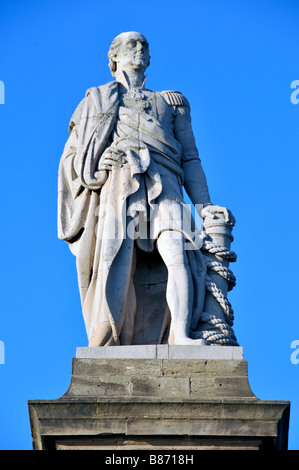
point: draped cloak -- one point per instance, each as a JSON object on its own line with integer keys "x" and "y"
{"x": 105, "y": 223}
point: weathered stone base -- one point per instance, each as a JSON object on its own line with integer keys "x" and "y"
{"x": 159, "y": 403}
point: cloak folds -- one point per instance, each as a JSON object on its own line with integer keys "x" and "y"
{"x": 122, "y": 282}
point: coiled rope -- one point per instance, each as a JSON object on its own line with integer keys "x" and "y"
{"x": 222, "y": 332}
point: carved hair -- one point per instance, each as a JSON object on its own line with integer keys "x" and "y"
{"x": 114, "y": 48}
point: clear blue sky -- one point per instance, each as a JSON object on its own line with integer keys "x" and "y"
{"x": 235, "y": 61}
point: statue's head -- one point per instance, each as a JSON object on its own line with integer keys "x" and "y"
{"x": 129, "y": 49}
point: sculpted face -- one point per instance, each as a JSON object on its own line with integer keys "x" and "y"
{"x": 133, "y": 52}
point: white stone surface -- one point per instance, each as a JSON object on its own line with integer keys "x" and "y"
{"x": 161, "y": 352}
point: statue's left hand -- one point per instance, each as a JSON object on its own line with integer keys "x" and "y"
{"x": 211, "y": 211}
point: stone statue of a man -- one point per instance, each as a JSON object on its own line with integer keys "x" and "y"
{"x": 121, "y": 208}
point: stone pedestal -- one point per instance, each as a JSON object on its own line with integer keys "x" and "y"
{"x": 159, "y": 398}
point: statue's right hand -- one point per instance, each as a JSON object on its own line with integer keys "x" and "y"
{"x": 112, "y": 157}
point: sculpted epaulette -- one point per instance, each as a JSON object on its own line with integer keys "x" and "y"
{"x": 175, "y": 98}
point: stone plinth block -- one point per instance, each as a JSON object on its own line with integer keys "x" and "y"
{"x": 156, "y": 397}
{"x": 162, "y": 351}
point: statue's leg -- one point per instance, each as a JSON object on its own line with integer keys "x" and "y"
{"x": 179, "y": 293}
